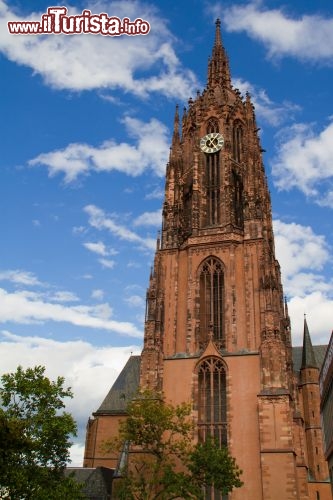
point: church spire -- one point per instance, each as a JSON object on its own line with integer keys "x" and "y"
{"x": 175, "y": 136}
{"x": 218, "y": 64}
{"x": 218, "y": 40}
{"x": 308, "y": 357}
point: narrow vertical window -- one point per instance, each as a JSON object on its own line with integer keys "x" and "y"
{"x": 237, "y": 199}
{"x": 211, "y": 301}
{"x": 212, "y": 408}
{"x": 213, "y": 179}
{"x": 212, "y": 418}
{"x": 237, "y": 142}
{"x": 213, "y": 188}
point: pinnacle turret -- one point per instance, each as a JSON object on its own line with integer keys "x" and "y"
{"x": 308, "y": 357}
{"x": 175, "y": 136}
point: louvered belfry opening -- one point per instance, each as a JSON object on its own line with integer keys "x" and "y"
{"x": 213, "y": 180}
{"x": 213, "y": 188}
{"x": 211, "y": 301}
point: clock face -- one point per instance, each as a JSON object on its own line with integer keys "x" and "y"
{"x": 211, "y": 143}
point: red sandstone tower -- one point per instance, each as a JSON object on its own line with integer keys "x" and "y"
{"x": 217, "y": 331}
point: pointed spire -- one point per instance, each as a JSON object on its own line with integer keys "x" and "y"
{"x": 175, "y": 137}
{"x": 308, "y": 357}
{"x": 218, "y": 64}
{"x": 218, "y": 40}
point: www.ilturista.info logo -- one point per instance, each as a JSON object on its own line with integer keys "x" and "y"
{"x": 56, "y": 22}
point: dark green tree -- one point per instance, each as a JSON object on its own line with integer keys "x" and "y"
{"x": 212, "y": 465}
{"x": 35, "y": 436}
{"x": 162, "y": 462}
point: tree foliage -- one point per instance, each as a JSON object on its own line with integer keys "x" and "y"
{"x": 212, "y": 465}
{"x": 162, "y": 461}
{"x": 35, "y": 436}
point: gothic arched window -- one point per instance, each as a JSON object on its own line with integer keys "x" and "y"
{"x": 212, "y": 125}
{"x": 213, "y": 179}
{"x": 212, "y": 409}
{"x": 212, "y": 400}
{"x": 212, "y": 301}
{"x": 237, "y": 141}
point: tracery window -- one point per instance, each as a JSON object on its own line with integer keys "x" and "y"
{"x": 211, "y": 301}
{"x": 212, "y": 405}
{"x": 212, "y": 408}
{"x": 212, "y": 125}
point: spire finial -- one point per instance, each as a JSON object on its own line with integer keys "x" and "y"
{"x": 218, "y": 40}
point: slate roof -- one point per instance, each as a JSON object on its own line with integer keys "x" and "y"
{"x": 319, "y": 352}
{"x": 308, "y": 356}
{"x": 127, "y": 383}
{"x": 123, "y": 390}
{"x": 97, "y": 482}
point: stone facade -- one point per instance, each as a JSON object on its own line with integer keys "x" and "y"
{"x": 217, "y": 330}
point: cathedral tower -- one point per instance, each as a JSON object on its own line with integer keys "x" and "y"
{"x": 217, "y": 331}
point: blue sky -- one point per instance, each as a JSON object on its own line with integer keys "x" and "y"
{"x": 85, "y": 131}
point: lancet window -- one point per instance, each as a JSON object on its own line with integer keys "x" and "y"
{"x": 237, "y": 141}
{"x": 212, "y": 408}
{"x": 212, "y": 301}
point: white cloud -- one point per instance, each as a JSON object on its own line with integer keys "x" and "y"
{"x": 20, "y": 307}
{"x": 109, "y": 264}
{"x": 137, "y": 64}
{"x": 64, "y": 296}
{"x": 89, "y": 370}
{"x": 298, "y": 248}
{"x": 19, "y": 277}
{"x": 149, "y": 219}
{"x": 76, "y": 454}
{"x": 102, "y": 221}
{"x": 79, "y": 230}
{"x": 266, "y": 110}
{"x": 318, "y": 307}
{"x": 100, "y": 248}
{"x": 304, "y": 161}
{"x": 149, "y": 151}
{"x": 303, "y": 255}
{"x": 309, "y": 37}
{"x": 97, "y": 294}
{"x": 135, "y": 301}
